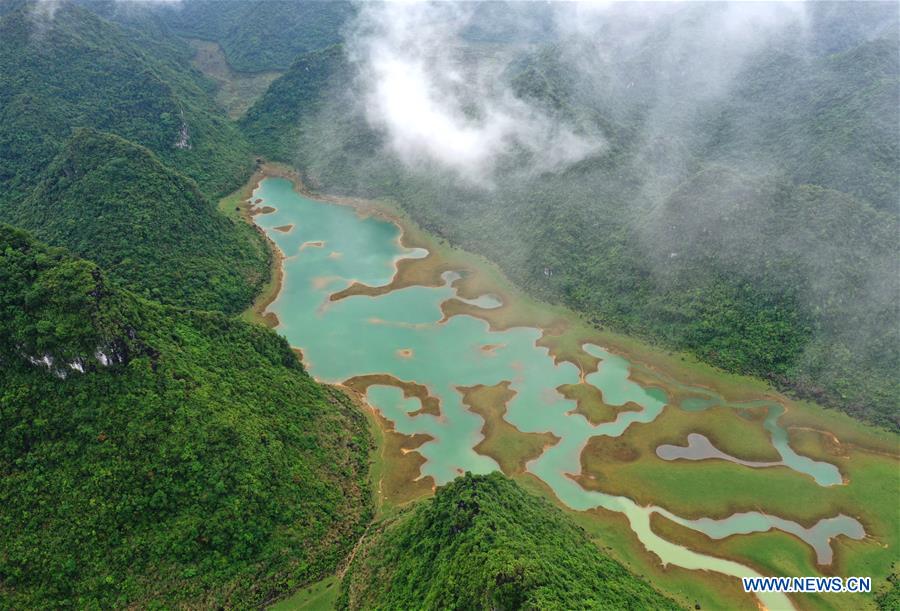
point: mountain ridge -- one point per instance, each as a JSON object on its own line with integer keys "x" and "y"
{"x": 112, "y": 201}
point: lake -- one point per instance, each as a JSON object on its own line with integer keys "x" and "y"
{"x": 404, "y": 334}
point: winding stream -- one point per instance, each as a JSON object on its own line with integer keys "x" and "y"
{"x": 400, "y": 334}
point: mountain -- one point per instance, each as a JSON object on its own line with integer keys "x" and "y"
{"x": 255, "y": 35}
{"x": 828, "y": 122}
{"x": 62, "y": 67}
{"x": 743, "y": 218}
{"x": 483, "y": 543}
{"x": 148, "y": 226}
{"x": 159, "y": 457}
{"x": 277, "y": 123}
{"x": 310, "y": 117}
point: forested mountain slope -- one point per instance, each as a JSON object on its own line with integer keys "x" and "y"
{"x": 115, "y": 203}
{"x": 750, "y": 223}
{"x": 483, "y": 543}
{"x": 832, "y": 123}
{"x": 62, "y": 67}
{"x": 153, "y": 456}
{"x": 258, "y": 35}
{"x": 282, "y": 123}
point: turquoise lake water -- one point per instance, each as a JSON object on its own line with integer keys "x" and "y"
{"x": 400, "y": 334}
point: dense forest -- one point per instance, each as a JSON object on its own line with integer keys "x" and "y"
{"x": 748, "y": 227}
{"x": 159, "y": 455}
{"x": 483, "y": 543}
{"x": 113, "y": 202}
{"x": 287, "y": 113}
{"x": 255, "y": 35}
{"x": 152, "y": 455}
{"x": 74, "y": 69}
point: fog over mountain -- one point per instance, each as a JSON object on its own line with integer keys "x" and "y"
{"x": 433, "y": 105}
{"x": 680, "y": 124}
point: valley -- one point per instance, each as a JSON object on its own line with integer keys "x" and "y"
{"x": 235, "y": 91}
{"x": 448, "y": 305}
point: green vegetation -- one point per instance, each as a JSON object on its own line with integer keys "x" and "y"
{"x": 236, "y": 90}
{"x": 72, "y": 69}
{"x": 319, "y": 596}
{"x": 890, "y": 598}
{"x": 754, "y": 228}
{"x": 278, "y": 122}
{"x": 259, "y": 35}
{"x": 109, "y": 200}
{"x": 160, "y": 456}
{"x": 717, "y": 488}
{"x": 483, "y": 543}
{"x": 832, "y": 124}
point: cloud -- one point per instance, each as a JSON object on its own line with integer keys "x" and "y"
{"x": 437, "y": 104}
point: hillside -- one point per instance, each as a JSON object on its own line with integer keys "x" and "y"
{"x": 258, "y": 35}
{"x": 114, "y": 202}
{"x": 160, "y": 457}
{"x": 280, "y": 123}
{"x": 483, "y": 543}
{"x": 832, "y": 124}
{"x": 750, "y": 227}
{"x": 66, "y": 68}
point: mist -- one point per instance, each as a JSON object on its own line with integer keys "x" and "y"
{"x": 594, "y": 111}
{"x": 637, "y": 150}
{"x": 440, "y": 100}
{"x": 434, "y": 104}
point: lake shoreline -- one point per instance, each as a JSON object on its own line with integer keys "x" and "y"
{"x": 564, "y": 335}
{"x": 364, "y": 208}
{"x": 564, "y": 332}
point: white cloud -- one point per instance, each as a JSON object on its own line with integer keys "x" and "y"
{"x": 437, "y": 105}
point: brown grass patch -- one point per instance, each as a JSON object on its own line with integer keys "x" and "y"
{"x": 589, "y": 403}
{"x": 430, "y": 404}
{"x": 503, "y": 442}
